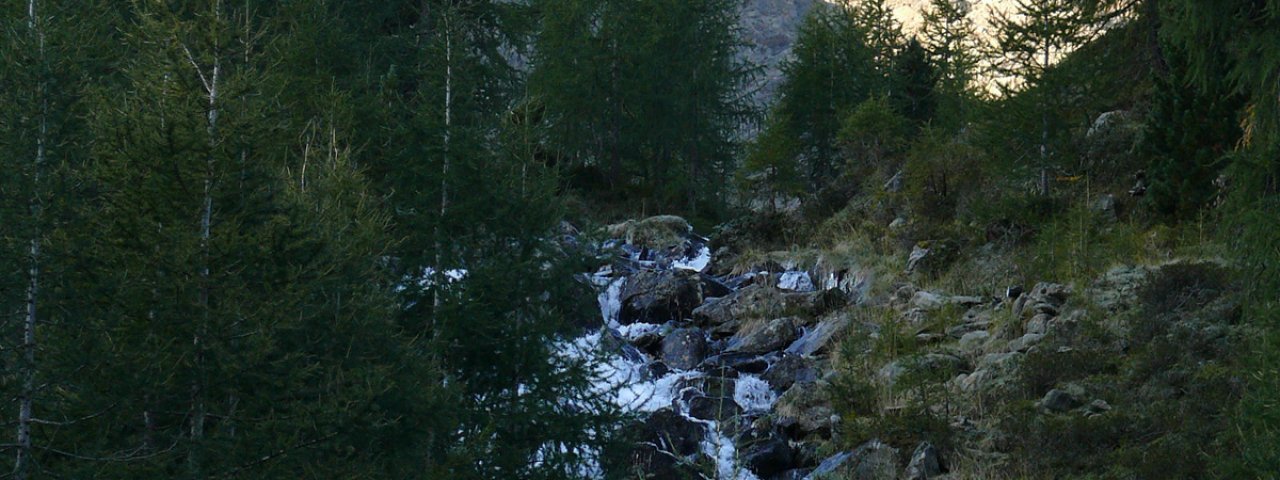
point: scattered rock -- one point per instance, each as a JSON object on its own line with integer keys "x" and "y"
{"x": 1058, "y": 401}
{"x": 771, "y": 336}
{"x": 925, "y": 463}
{"x": 788, "y": 370}
{"x": 738, "y": 361}
{"x": 816, "y": 339}
{"x": 718, "y": 409}
{"x": 1024, "y": 343}
{"x": 1099, "y": 406}
{"x": 994, "y": 372}
{"x": 974, "y": 341}
{"x": 873, "y": 460}
{"x": 1039, "y": 324}
{"x": 663, "y": 438}
{"x": 770, "y": 457}
{"x": 805, "y": 408}
{"x": 684, "y": 348}
{"x": 1045, "y": 298}
{"x": 656, "y": 297}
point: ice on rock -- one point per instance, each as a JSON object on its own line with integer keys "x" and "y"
{"x": 796, "y": 281}
{"x": 716, "y": 445}
{"x": 637, "y": 330}
{"x": 611, "y": 301}
{"x": 753, "y": 394}
{"x": 696, "y": 262}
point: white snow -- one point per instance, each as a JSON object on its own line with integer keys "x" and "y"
{"x": 697, "y": 262}
{"x": 753, "y": 394}
{"x": 796, "y": 280}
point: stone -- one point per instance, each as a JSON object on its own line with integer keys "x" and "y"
{"x": 993, "y": 372}
{"x": 974, "y": 341}
{"x": 737, "y": 361}
{"x": 926, "y": 300}
{"x": 770, "y": 457}
{"x": 1099, "y": 406}
{"x": 657, "y": 297}
{"x": 1058, "y": 401}
{"x": 918, "y": 255}
{"x": 719, "y": 408}
{"x": 1117, "y": 289}
{"x": 1039, "y": 324}
{"x": 817, "y": 339}
{"x": 663, "y": 438}
{"x": 925, "y": 463}
{"x": 1046, "y": 298}
{"x": 788, "y": 370}
{"x": 873, "y": 460}
{"x": 684, "y": 349}
{"x": 805, "y": 409}
{"x": 1024, "y": 343}
{"x": 724, "y": 315}
{"x": 771, "y": 336}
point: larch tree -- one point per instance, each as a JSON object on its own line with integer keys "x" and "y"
{"x": 949, "y": 36}
{"x": 1030, "y": 39}
{"x": 832, "y": 70}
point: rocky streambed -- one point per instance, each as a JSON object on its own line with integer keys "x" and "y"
{"x": 722, "y": 366}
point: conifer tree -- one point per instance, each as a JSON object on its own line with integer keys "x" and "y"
{"x": 915, "y": 81}
{"x": 831, "y": 71}
{"x": 1030, "y": 40}
{"x": 606, "y": 77}
{"x": 950, "y": 38}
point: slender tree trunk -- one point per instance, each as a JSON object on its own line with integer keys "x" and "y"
{"x": 199, "y": 410}
{"x": 22, "y": 467}
{"x": 444, "y": 164}
{"x": 1044, "y": 123}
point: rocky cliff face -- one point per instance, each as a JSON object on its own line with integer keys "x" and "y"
{"x": 769, "y": 29}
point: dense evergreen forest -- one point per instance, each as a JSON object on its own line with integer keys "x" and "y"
{"x": 350, "y": 238}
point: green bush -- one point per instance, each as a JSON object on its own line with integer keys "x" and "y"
{"x": 939, "y": 170}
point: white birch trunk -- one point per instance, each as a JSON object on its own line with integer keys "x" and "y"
{"x": 22, "y": 467}
{"x": 211, "y": 83}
